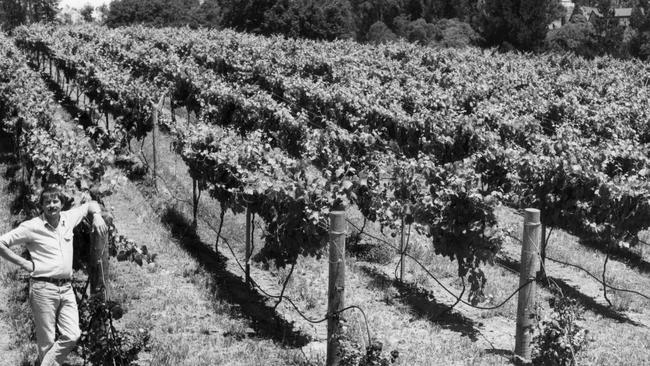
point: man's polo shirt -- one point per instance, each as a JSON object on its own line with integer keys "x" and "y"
{"x": 49, "y": 247}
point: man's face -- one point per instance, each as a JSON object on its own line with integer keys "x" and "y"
{"x": 51, "y": 205}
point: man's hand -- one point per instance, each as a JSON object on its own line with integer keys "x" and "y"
{"x": 28, "y": 266}
{"x": 99, "y": 226}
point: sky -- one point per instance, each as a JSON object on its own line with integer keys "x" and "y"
{"x": 79, "y": 3}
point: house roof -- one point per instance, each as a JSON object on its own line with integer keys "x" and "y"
{"x": 623, "y": 12}
{"x": 618, "y": 12}
{"x": 588, "y": 10}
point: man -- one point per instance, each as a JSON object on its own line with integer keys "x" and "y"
{"x": 48, "y": 238}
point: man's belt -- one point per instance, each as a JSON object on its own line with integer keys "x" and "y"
{"x": 56, "y": 281}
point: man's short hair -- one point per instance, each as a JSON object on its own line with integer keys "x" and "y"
{"x": 49, "y": 191}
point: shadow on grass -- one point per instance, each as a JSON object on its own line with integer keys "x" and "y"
{"x": 630, "y": 258}
{"x": 424, "y": 304}
{"x": 591, "y": 304}
{"x": 265, "y": 321}
{"x": 586, "y": 301}
{"x": 624, "y": 255}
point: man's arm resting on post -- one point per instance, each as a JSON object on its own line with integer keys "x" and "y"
{"x": 92, "y": 210}
{"x": 99, "y": 225}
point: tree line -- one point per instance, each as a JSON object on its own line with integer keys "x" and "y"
{"x": 508, "y": 24}
{"x": 520, "y": 24}
{"x": 17, "y": 12}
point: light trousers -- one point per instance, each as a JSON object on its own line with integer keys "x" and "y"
{"x": 54, "y": 308}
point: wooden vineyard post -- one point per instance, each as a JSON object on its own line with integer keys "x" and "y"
{"x": 248, "y": 246}
{"x": 156, "y": 109}
{"x": 171, "y": 106}
{"x": 526, "y": 304}
{"x": 153, "y": 142}
{"x": 195, "y": 202}
{"x": 87, "y": 107}
{"x": 98, "y": 270}
{"x": 401, "y": 252}
{"x": 541, "y": 273}
{"x": 336, "y": 289}
{"x": 154, "y": 122}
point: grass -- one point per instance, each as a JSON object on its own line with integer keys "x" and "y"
{"x": 614, "y": 343}
{"x": 568, "y": 249}
{"x": 18, "y": 314}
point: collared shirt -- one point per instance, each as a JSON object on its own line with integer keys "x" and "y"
{"x": 50, "y": 247}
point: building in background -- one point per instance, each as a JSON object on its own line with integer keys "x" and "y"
{"x": 568, "y": 6}
{"x": 623, "y": 15}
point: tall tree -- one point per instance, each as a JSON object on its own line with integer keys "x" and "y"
{"x": 17, "y": 12}
{"x": 45, "y": 10}
{"x": 155, "y": 13}
{"x": 245, "y": 15}
{"x": 577, "y": 37}
{"x": 640, "y": 22}
{"x": 313, "y": 19}
{"x": 446, "y": 9}
{"x": 12, "y": 14}
{"x": 367, "y": 12}
{"x": 102, "y": 12}
{"x": 380, "y": 33}
{"x": 86, "y": 12}
{"x": 209, "y": 13}
{"x": 577, "y": 16}
{"x": 414, "y": 9}
{"x": 521, "y": 23}
{"x": 608, "y": 30}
